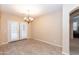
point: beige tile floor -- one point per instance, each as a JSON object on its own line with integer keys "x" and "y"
{"x": 74, "y": 46}
{"x": 29, "y": 47}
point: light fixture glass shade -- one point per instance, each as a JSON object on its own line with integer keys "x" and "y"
{"x": 31, "y": 18}
{"x": 28, "y": 19}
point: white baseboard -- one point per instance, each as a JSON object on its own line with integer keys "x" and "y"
{"x": 50, "y": 43}
{"x": 3, "y": 43}
{"x": 64, "y": 53}
{"x": 10, "y": 41}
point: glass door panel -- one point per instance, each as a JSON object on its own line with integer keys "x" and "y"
{"x": 13, "y": 31}
{"x": 23, "y": 30}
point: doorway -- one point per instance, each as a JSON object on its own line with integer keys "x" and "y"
{"x": 74, "y": 32}
{"x": 16, "y": 31}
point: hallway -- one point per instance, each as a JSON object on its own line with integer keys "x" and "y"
{"x": 29, "y": 47}
{"x": 74, "y": 47}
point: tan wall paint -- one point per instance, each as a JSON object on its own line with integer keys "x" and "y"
{"x": 5, "y": 17}
{"x": 66, "y": 29}
{"x": 48, "y": 28}
{"x": 29, "y": 31}
{"x": 0, "y": 25}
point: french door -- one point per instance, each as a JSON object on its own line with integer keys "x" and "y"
{"x": 23, "y": 31}
{"x": 16, "y": 31}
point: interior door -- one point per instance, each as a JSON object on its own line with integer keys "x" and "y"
{"x": 13, "y": 31}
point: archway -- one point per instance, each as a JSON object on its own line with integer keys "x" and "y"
{"x": 74, "y": 32}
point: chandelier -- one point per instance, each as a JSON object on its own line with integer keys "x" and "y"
{"x": 28, "y": 18}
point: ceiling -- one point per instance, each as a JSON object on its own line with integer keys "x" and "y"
{"x": 35, "y": 10}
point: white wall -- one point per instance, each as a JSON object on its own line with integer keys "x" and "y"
{"x": 48, "y": 28}
{"x": 66, "y": 11}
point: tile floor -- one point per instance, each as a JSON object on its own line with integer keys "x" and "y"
{"x": 29, "y": 47}
{"x": 74, "y": 46}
